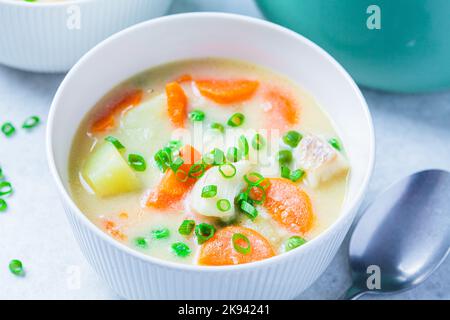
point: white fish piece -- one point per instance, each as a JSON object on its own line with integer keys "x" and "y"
{"x": 227, "y": 188}
{"x": 319, "y": 159}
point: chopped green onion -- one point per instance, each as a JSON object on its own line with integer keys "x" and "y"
{"x": 265, "y": 183}
{"x": 236, "y": 120}
{"x": 137, "y": 162}
{"x": 8, "y": 129}
{"x": 249, "y": 209}
{"x": 218, "y": 126}
{"x": 208, "y": 158}
{"x": 294, "y": 242}
{"x": 292, "y": 138}
{"x": 297, "y": 175}
{"x": 294, "y": 176}
{"x": 263, "y": 194}
{"x": 181, "y": 249}
{"x": 204, "y": 232}
{"x": 243, "y": 145}
{"x": 233, "y": 154}
{"x": 239, "y": 237}
{"x": 186, "y": 227}
{"x": 216, "y": 157}
{"x": 160, "y": 234}
{"x": 209, "y": 191}
{"x": 197, "y": 115}
{"x": 175, "y": 145}
{"x": 227, "y": 170}
{"x": 176, "y": 164}
{"x": 31, "y": 122}
{"x": 16, "y": 267}
{"x": 141, "y": 242}
{"x": 163, "y": 158}
{"x": 181, "y": 175}
{"x": 1, "y": 173}
{"x": 219, "y": 157}
{"x": 335, "y": 144}
{"x": 223, "y": 205}
{"x": 115, "y": 142}
{"x": 285, "y": 172}
{"x": 258, "y": 142}
{"x": 3, "y": 205}
{"x": 249, "y": 178}
{"x": 243, "y": 196}
{"x": 5, "y": 188}
{"x": 284, "y": 157}
{"x": 197, "y": 170}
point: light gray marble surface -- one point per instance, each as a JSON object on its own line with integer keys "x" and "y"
{"x": 412, "y": 132}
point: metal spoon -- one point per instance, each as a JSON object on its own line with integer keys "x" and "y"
{"x": 403, "y": 236}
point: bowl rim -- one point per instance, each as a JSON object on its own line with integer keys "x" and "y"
{"x": 43, "y": 4}
{"x": 197, "y": 268}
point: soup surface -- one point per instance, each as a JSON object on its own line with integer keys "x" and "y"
{"x": 210, "y": 162}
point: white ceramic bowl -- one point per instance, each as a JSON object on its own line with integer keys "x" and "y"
{"x": 44, "y": 37}
{"x": 134, "y": 275}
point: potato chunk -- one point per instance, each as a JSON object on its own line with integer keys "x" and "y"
{"x": 107, "y": 172}
{"x": 319, "y": 159}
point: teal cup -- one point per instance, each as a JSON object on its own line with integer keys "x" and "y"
{"x": 394, "y": 45}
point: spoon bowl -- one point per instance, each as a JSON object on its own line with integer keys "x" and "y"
{"x": 403, "y": 236}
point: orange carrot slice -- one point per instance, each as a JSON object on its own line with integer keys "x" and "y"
{"x": 219, "y": 250}
{"x": 227, "y": 91}
{"x": 103, "y": 124}
{"x": 172, "y": 187}
{"x": 130, "y": 99}
{"x": 190, "y": 155}
{"x": 184, "y": 78}
{"x": 169, "y": 192}
{"x": 177, "y": 103}
{"x": 107, "y": 120}
{"x": 289, "y": 205}
{"x": 284, "y": 112}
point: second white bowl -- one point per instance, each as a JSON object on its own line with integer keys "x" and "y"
{"x": 51, "y": 37}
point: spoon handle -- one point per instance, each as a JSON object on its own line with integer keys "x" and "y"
{"x": 353, "y": 293}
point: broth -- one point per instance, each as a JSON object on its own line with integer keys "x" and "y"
{"x": 146, "y": 128}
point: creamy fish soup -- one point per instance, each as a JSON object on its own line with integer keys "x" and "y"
{"x": 209, "y": 162}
